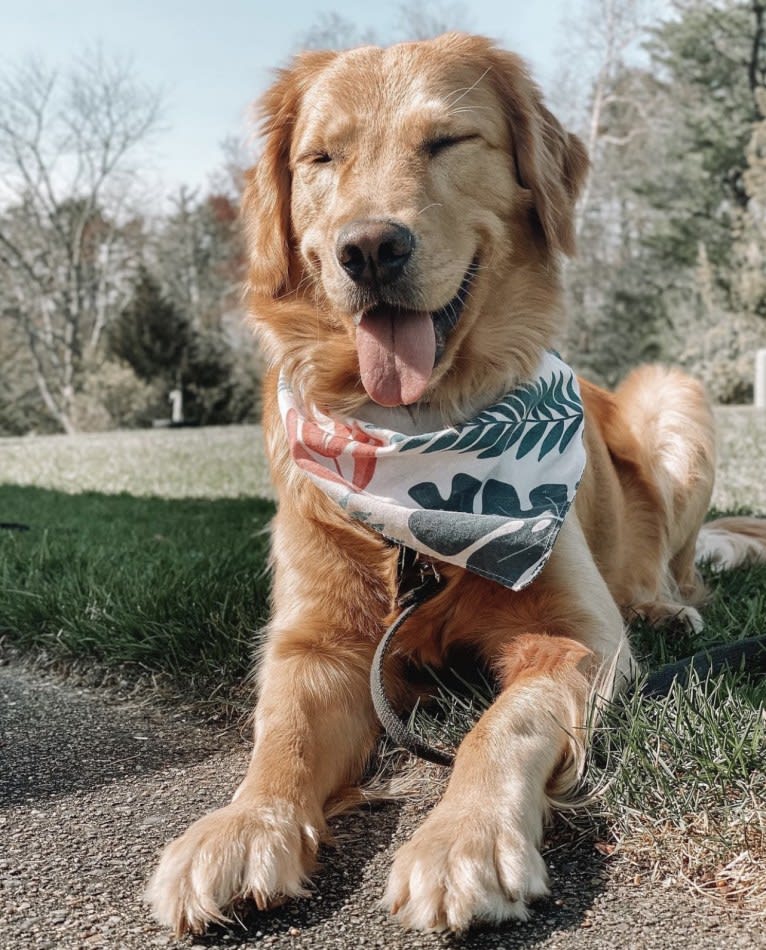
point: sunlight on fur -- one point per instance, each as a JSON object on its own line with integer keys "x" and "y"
{"x": 405, "y": 259}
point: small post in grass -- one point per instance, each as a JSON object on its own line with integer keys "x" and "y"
{"x": 760, "y": 379}
{"x": 176, "y": 397}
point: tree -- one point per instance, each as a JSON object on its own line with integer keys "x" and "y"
{"x": 603, "y": 40}
{"x": 671, "y": 238}
{"x": 709, "y": 64}
{"x": 198, "y": 255}
{"x": 68, "y": 231}
{"x": 151, "y": 334}
{"x": 166, "y": 350}
{"x": 602, "y": 94}
{"x": 425, "y": 20}
{"x": 705, "y": 60}
{"x": 333, "y": 31}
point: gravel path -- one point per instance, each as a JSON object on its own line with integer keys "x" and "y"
{"x": 91, "y": 788}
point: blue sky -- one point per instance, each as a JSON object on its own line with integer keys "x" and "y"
{"x": 213, "y": 57}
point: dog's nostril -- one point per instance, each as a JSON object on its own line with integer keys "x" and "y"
{"x": 373, "y": 251}
{"x": 394, "y": 253}
{"x": 352, "y": 260}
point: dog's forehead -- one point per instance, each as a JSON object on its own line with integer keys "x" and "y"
{"x": 410, "y": 82}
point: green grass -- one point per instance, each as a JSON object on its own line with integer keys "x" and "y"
{"x": 170, "y": 588}
{"x": 694, "y": 764}
{"x": 682, "y": 786}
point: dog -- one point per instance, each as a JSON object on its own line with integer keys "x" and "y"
{"x": 406, "y": 225}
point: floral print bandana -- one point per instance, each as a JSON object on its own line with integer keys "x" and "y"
{"x": 489, "y": 495}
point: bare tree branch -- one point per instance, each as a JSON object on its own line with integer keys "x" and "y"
{"x": 68, "y": 151}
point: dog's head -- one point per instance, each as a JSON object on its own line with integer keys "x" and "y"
{"x": 405, "y": 223}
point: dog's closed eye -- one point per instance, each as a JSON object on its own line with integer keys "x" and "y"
{"x": 316, "y": 156}
{"x": 442, "y": 142}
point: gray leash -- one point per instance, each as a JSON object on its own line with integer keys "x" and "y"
{"x": 427, "y": 584}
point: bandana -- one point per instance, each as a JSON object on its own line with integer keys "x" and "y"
{"x": 489, "y": 495}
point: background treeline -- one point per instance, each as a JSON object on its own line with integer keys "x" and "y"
{"x": 110, "y": 298}
{"x": 672, "y": 228}
{"x": 112, "y": 294}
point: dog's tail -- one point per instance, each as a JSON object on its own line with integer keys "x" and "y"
{"x": 730, "y": 542}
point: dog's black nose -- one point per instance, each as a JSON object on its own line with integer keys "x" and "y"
{"x": 374, "y": 252}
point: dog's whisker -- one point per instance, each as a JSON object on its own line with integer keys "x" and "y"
{"x": 466, "y": 109}
{"x": 462, "y": 93}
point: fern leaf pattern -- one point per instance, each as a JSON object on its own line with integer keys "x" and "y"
{"x": 543, "y": 415}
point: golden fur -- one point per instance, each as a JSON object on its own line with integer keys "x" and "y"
{"x": 450, "y": 139}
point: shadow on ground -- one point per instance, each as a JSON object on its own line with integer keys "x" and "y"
{"x": 55, "y": 740}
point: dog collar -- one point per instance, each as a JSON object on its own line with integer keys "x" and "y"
{"x": 489, "y": 495}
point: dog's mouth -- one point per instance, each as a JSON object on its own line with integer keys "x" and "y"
{"x": 398, "y": 348}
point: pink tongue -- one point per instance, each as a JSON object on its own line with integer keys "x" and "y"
{"x": 397, "y": 352}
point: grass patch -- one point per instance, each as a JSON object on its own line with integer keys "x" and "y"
{"x": 204, "y": 462}
{"x": 682, "y": 787}
{"x": 169, "y": 588}
{"x": 682, "y": 779}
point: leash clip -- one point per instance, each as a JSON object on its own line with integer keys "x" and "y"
{"x": 418, "y": 578}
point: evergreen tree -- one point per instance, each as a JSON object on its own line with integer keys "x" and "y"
{"x": 705, "y": 60}
{"x": 151, "y": 335}
{"x": 162, "y": 347}
{"x": 672, "y": 243}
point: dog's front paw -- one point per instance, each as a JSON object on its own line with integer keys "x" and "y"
{"x": 259, "y": 853}
{"x": 458, "y": 868}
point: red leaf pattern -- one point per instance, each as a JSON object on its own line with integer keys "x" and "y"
{"x": 342, "y": 440}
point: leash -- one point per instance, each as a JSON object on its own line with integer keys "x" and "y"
{"x": 741, "y": 656}
{"x": 420, "y": 581}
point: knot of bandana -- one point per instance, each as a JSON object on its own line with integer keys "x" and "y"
{"x": 489, "y": 495}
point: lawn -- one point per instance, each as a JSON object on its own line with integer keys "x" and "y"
{"x": 173, "y": 589}
{"x": 228, "y": 462}
{"x": 146, "y": 553}
{"x": 212, "y": 462}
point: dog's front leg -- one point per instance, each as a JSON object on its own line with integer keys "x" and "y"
{"x": 314, "y": 729}
{"x": 476, "y": 857}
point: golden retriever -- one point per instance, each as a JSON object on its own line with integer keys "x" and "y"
{"x": 408, "y": 183}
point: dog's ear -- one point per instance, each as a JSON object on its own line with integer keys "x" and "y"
{"x": 266, "y": 198}
{"x": 551, "y": 162}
